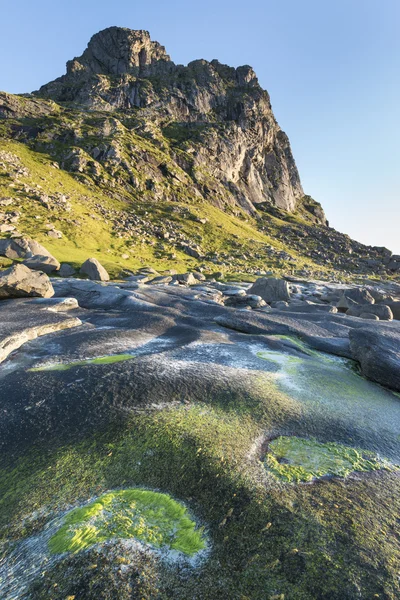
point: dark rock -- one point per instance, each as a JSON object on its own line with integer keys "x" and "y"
{"x": 381, "y": 311}
{"x": 378, "y": 352}
{"x": 66, "y": 270}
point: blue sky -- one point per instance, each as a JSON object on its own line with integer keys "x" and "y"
{"x": 331, "y": 68}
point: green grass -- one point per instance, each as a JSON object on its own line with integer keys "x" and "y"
{"x": 149, "y": 517}
{"x": 292, "y": 459}
{"x": 103, "y": 360}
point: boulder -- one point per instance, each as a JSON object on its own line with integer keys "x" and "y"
{"x": 395, "y": 308}
{"x": 47, "y": 264}
{"x": 355, "y": 296}
{"x": 187, "y": 278}
{"x": 381, "y": 311}
{"x": 18, "y": 282}
{"x": 369, "y": 316}
{"x": 23, "y": 247}
{"x": 161, "y": 279}
{"x": 66, "y": 270}
{"x": 378, "y": 353}
{"x": 94, "y": 270}
{"x": 271, "y": 289}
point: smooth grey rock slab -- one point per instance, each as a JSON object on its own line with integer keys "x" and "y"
{"x": 24, "y": 320}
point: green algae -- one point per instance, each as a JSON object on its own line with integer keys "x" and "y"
{"x": 146, "y": 516}
{"x": 294, "y": 459}
{"x": 103, "y": 360}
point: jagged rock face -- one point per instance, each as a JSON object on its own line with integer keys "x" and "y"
{"x": 118, "y": 50}
{"x": 238, "y": 141}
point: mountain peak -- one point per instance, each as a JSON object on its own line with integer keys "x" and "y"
{"x": 116, "y": 51}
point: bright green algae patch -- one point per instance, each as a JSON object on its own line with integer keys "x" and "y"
{"x": 103, "y": 360}
{"x": 150, "y": 517}
{"x": 294, "y": 459}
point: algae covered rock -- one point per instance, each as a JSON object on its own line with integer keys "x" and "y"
{"x": 146, "y": 516}
{"x": 294, "y": 459}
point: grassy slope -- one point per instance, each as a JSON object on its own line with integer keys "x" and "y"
{"x": 95, "y": 237}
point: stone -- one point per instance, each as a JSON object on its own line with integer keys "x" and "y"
{"x": 354, "y": 296}
{"x": 55, "y": 234}
{"x": 280, "y": 305}
{"x": 23, "y": 247}
{"x": 187, "y": 278}
{"x": 66, "y": 270}
{"x": 94, "y": 270}
{"x": 382, "y": 311}
{"x": 378, "y": 353}
{"x": 161, "y": 279}
{"x": 394, "y": 306}
{"x": 369, "y": 316}
{"x": 47, "y": 264}
{"x": 271, "y": 289}
{"x": 18, "y": 282}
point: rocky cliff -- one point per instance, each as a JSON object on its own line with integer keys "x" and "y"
{"x": 220, "y": 122}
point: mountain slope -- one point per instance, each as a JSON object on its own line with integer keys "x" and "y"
{"x": 164, "y": 164}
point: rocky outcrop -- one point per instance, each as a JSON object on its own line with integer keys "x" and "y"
{"x": 235, "y": 151}
{"x": 18, "y": 282}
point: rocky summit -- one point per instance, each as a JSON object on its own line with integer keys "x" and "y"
{"x": 199, "y": 378}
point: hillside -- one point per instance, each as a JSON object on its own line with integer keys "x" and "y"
{"x": 138, "y": 161}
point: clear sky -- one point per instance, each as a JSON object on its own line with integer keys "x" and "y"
{"x": 330, "y": 66}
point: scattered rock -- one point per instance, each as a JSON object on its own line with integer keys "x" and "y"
{"x": 47, "y": 264}
{"x": 382, "y": 311}
{"x": 271, "y": 289}
{"x": 94, "y": 270}
{"x": 187, "y": 278}
{"x": 66, "y": 270}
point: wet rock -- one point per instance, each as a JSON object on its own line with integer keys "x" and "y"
{"x": 271, "y": 289}
{"x": 47, "y": 264}
{"x": 18, "y": 282}
{"x": 369, "y": 316}
{"x": 94, "y": 270}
